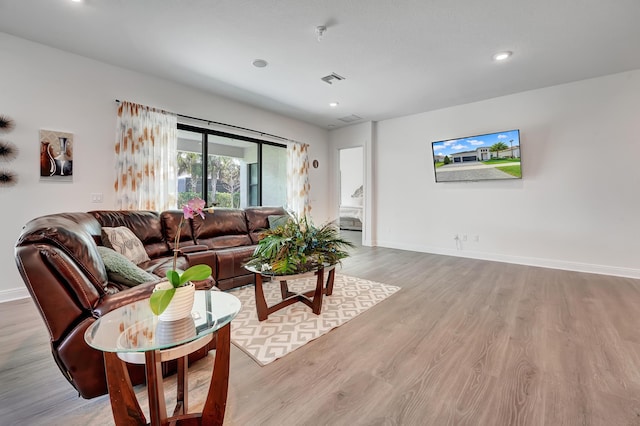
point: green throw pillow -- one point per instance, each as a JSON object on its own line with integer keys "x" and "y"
{"x": 278, "y": 220}
{"x": 121, "y": 270}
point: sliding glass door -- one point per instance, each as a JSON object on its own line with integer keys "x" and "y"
{"x": 240, "y": 171}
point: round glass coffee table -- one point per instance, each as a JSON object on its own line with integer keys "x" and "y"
{"x": 132, "y": 333}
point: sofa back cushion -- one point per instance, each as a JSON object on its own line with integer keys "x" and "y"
{"x": 144, "y": 224}
{"x": 258, "y": 219}
{"x": 170, "y": 222}
{"x": 225, "y": 228}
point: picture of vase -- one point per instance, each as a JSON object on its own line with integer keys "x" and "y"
{"x": 56, "y": 155}
{"x": 63, "y": 161}
{"x": 47, "y": 164}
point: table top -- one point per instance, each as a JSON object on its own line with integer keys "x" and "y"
{"x": 134, "y": 328}
{"x": 269, "y": 273}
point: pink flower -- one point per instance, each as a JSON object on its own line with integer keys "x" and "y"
{"x": 193, "y": 207}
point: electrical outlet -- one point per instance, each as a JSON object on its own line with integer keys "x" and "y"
{"x": 96, "y": 197}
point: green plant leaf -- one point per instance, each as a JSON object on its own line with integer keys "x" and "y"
{"x": 196, "y": 273}
{"x": 160, "y": 299}
{"x": 174, "y": 278}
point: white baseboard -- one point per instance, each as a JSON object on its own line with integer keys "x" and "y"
{"x": 520, "y": 260}
{"x": 14, "y": 294}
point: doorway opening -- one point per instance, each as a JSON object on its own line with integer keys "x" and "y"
{"x": 351, "y": 175}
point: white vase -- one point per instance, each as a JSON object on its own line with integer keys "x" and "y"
{"x": 168, "y": 332}
{"x": 181, "y": 303}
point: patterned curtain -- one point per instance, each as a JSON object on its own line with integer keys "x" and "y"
{"x": 146, "y": 158}
{"x": 298, "y": 186}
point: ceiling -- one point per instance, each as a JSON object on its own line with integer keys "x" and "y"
{"x": 398, "y": 57}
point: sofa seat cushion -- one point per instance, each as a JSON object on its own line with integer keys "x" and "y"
{"x": 230, "y": 262}
{"x": 121, "y": 270}
{"x": 124, "y": 241}
{"x": 161, "y": 265}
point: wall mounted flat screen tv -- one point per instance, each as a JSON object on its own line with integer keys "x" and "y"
{"x": 491, "y": 156}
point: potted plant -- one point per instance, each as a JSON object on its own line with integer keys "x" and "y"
{"x": 297, "y": 246}
{"x": 178, "y": 282}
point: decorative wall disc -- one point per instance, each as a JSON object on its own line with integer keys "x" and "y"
{"x": 8, "y": 178}
{"x": 8, "y": 151}
{"x": 6, "y": 124}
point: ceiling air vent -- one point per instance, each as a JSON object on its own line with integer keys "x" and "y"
{"x": 333, "y": 76}
{"x": 350, "y": 118}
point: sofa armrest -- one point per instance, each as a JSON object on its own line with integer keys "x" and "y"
{"x": 193, "y": 249}
{"x": 203, "y": 258}
{"x": 110, "y": 302}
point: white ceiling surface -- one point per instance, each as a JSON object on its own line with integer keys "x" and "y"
{"x": 399, "y": 57}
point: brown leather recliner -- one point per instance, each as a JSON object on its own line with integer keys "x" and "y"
{"x": 58, "y": 259}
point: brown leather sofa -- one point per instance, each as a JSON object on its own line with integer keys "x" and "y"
{"x": 58, "y": 259}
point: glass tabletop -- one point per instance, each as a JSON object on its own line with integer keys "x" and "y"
{"x": 134, "y": 328}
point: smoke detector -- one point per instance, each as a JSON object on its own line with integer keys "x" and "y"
{"x": 320, "y": 30}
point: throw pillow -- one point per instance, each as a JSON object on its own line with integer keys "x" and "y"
{"x": 121, "y": 270}
{"x": 125, "y": 242}
{"x": 277, "y": 220}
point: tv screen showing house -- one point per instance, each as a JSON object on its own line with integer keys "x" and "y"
{"x": 492, "y": 156}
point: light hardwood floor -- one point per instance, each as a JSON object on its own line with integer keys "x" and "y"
{"x": 464, "y": 342}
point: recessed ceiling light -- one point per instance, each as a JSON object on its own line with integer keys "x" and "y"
{"x": 77, "y": 1}
{"x": 501, "y": 56}
{"x": 333, "y": 104}
{"x": 260, "y": 63}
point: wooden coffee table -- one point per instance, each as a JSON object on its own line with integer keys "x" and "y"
{"x": 311, "y": 298}
{"x": 133, "y": 334}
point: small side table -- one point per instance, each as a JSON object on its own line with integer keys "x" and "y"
{"x": 133, "y": 334}
{"x": 288, "y": 297}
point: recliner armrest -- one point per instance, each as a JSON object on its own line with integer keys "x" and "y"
{"x": 194, "y": 249}
{"x": 109, "y": 302}
{"x": 204, "y": 258}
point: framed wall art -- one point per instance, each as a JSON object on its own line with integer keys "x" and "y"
{"x": 56, "y": 155}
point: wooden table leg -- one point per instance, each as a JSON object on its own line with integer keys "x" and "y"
{"x": 330, "y": 279}
{"x": 317, "y": 295}
{"x": 214, "y": 407}
{"x": 124, "y": 404}
{"x": 155, "y": 388}
{"x": 182, "y": 404}
{"x": 284, "y": 289}
{"x": 261, "y": 303}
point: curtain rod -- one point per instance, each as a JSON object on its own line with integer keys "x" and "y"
{"x": 232, "y": 126}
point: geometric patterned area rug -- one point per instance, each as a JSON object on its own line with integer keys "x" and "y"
{"x": 290, "y": 328}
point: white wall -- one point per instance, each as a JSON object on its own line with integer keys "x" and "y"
{"x": 45, "y": 88}
{"x": 577, "y": 206}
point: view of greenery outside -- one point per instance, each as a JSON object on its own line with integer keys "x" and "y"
{"x": 512, "y": 170}
{"x": 223, "y": 186}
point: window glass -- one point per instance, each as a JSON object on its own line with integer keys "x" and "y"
{"x": 189, "y": 166}
{"x": 239, "y": 171}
